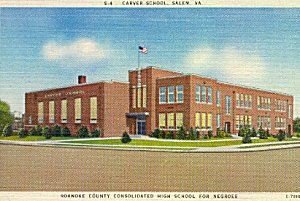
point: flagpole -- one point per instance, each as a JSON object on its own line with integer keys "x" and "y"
{"x": 139, "y": 71}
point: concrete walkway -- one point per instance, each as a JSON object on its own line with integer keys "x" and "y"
{"x": 221, "y": 149}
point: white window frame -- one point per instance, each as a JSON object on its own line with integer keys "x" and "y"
{"x": 218, "y": 98}
{"x": 51, "y": 111}
{"x": 209, "y": 95}
{"x": 79, "y": 107}
{"x": 64, "y": 106}
{"x": 203, "y": 94}
{"x": 162, "y": 94}
{"x": 93, "y": 100}
{"x": 40, "y": 112}
{"x": 198, "y": 94}
{"x": 179, "y": 92}
{"x": 171, "y": 94}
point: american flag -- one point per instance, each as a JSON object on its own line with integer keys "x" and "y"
{"x": 143, "y": 50}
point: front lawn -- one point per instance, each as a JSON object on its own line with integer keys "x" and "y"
{"x": 170, "y": 143}
{"x": 33, "y": 138}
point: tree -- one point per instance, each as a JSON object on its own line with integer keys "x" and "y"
{"x": 253, "y": 132}
{"x": 23, "y": 133}
{"x": 96, "y": 132}
{"x": 83, "y": 132}
{"x": 262, "y": 134}
{"x": 125, "y": 138}
{"x": 209, "y": 133}
{"x": 170, "y": 135}
{"x": 281, "y": 135}
{"x": 5, "y": 116}
{"x": 180, "y": 133}
{"x": 247, "y": 137}
{"x": 156, "y": 133}
{"x": 65, "y": 132}
{"x": 296, "y": 124}
{"x": 56, "y": 131}
{"x": 46, "y": 132}
{"x": 7, "y": 131}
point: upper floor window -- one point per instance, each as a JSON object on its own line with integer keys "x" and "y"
{"x": 162, "y": 95}
{"x": 170, "y": 94}
{"x": 258, "y": 102}
{"x": 218, "y": 97}
{"x": 203, "y": 94}
{"x": 250, "y": 101}
{"x": 144, "y": 97}
{"x": 197, "y": 93}
{"x": 209, "y": 94}
{"x": 179, "y": 90}
{"x": 284, "y": 106}
{"x": 237, "y": 100}
{"x": 246, "y": 100}
{"x": 227, "y": 104}
{"x": 40, "y": 112}
{"x": 242, "y": 100}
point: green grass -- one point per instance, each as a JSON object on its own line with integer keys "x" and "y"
{"x": 171, "y": 143}
{"x": 33, "y": 138}
{"x": 268, "y": 145}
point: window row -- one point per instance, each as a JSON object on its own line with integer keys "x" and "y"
{"x": 290, "y": 111}
{"x": 280, "y": 123}
{"x": 170, "y": 120}
{"x": 243, "y": 121}
{"x": 243, "y": 100}
{"x": 263, "y": 103}
{"x": 172, "y": 94}
{"x": 203, "y": 120}
{"x": 64, "y": 111}
{"x": 264, "y": 122}
{"x": 280, "y": 105}
{"x": 203, "y": 94}
{"x": 141, "y": 98}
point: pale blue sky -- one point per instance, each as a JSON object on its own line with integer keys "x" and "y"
{"x": 47, "y": 48}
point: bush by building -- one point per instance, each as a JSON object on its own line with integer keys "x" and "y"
{"x": 56, "y": 131}
{"x": 96, "y": 132}
{"x": 262, "y": 134}
{"x": 247, "y": 138}
{"x": 47, "y": 132}
{"x": 181, "y": 133}
{"x": 65, "y": 132}
{"x": 156, "y": 133}
{"x": 162, "y": 134}
{"x": 191, "y": 134}
{"x": 7, "y": 131}
{"x": 296, "y": 125}
{"x": 23, "y": 133}
{"x": 253, "y": 132}
{"x": 170, "y": 135}
{"x": 209, "y": 134}
{"x": 83, "y": 132}
{"x": 281, "y": 135}
{"x": 125, "y": 138}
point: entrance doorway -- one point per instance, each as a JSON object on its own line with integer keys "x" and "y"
{"x": 141, "y": 127}
{"x": 227, "y": 127}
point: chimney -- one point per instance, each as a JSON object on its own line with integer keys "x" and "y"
{"x": 81, "y": 79}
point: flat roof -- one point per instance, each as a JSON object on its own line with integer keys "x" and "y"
{"x": 78, "y": 85}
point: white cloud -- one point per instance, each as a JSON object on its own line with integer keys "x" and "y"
{"x": 228, "y": 63}
{"x": 81, "y": 50}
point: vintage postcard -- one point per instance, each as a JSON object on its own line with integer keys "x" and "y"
{"x": 149, "y": 100}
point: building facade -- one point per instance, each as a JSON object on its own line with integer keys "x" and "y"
{"x": 168, "y": 100}
{"x": 157, "y": 98}
{"x": 99, "y": 105}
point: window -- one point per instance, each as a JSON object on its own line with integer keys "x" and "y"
{"x": 269, "y": 103}
{"x": 197, "y": 120}
{"x": 197, "y": 94}
{"x": 30, "y": 120}
{"x": 284, "y": 106}
{"x": 266, "y": 103}
{"x": 259, "y": 122}
{"x": 170, "y": 94}
{"x": 209, "y": 94}
{"x": 203, "y": 94}
{"x": 162, "y": 120}
{"x": 258, "y": 102}
{"x": 242, "y": 121}
{"x": 51, "y": 111}
{"x": 64, "y": 111}
{"x": 78, "y": 110}
{"x": 218, "y": 121}
{"x": 203, "y": 121}
{"x": 250, "y": 121}
{"x": 237, "y": 100}
{"x": 170, "y": 120}
{"x": 276, "y": 104}
{"x": 179, "y": 120}
{"x": 139, "y": 97}
{"x": 290, "y": 111}
{"x": 284, "y": 123}
{"x": 40, "y": 112}
{"x": 93, "y": 110}
{"x": 227, "y": 104}
{"x": 269, "y": 122}
{"x": 242, "y": 100}
{"x": 250, "y": 101}
{"x": 133, "y": 97}
{"x": 162, "y": 95}
{"x": 209, "y": 121}
{"x": 218, "y": 98}
{"x": 246, "y": 100}
{"x": 144, "y": 97}
{"x": 179, "y": 90}
{"x": 237, "y": 122}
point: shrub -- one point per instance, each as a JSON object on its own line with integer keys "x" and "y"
{"x": 181, "y": 133}
{"x": 65, "y": 132}
{"x": 220, "y": 133}
{"x": 253, "y": 132}
{"x": 281, "y": 135}
{"x": 268, "y": 133}
{"x": 7, "y": 131}
{"x": 209, "y": 134}
{"x": 47, "y": 132}
{"x": 247, "y": 138}
{"x": 242, "y": 132}
{"x": 156, "y": 133}
{"x": 162, "y": 134}
{"x": 298, "y": 135}
{"x": 96, "y": 132}
{"x": 23, "y": 133}
{"x": 170, "y": 135}
{"x": 125, "y": 138}
{"x": 33, "y": 132}
{"x": 192, "y": 135}
{"x": 83, "y": 132}
{"x": 197, "y": 134}
{"x": 39, "y": 130}
{"x": 262, "y": 134}
{"x": 205, "y": 136}
{"x": 56, "y": 131}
